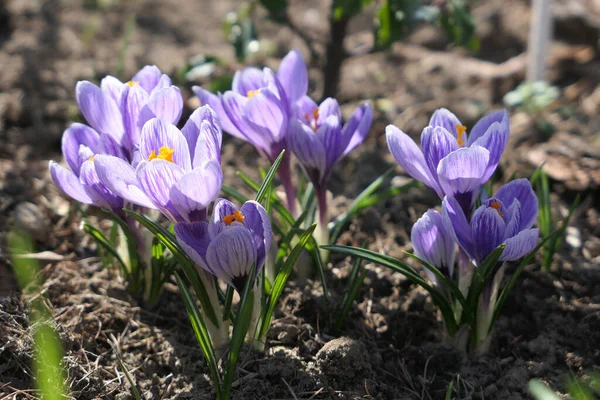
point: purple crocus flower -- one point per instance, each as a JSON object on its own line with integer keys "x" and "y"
{"x": 260, "y": 107}
{"x": 434, "y": 243}
{"x": 80, "y": 144}
{"x": 507, "y": 217}
{"x": 231, "y": 242}
{"x": 450, "y": 162}
{"x": 176, "y": 172}
{"x": 121, "y": 109}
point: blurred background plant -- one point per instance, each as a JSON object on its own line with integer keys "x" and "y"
{"x": 577, "y": 388}
{"x": 534, "y": 99}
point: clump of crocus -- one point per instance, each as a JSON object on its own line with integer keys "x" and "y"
{"x": 450, "y": 161}
{"x": 319, "y": 140}
{"x": 260, "y": 108}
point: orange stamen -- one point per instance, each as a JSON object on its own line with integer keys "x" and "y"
{"x": 496, "y": 206}
{"x": 132, "y": 83}
{"x": 91, "y": 158}
{"x": 164, "y": 153}
{"x": 237, "y": 216}
{"x": 460, "y": 131}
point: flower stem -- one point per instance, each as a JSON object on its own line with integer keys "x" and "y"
{"x": 322, "y": 232}
{"x": 285, "y": 175}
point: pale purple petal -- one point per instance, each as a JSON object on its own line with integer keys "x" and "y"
{"x": 520, "y": 245}
{"x": 462, "y": 171}
{"x": 194, "y": 240}
{"x": 231, "y": 255}
{"x": 358, "y": 126}
{"x": 69, "y": 183}
{"x": 120, "y": 178}
{"x": 112, "y": 87}
{"x": 487, "y": 227}
{"x": 196, "y": 190}
{"x": 148, "y": 77}
{"x": 482, "y": 126}
{"x": 97, "y": 191}
{"x": 166, "y": 104}
{"x": 75, "y": 136}
{"x": 99, "y": 110}
{"x": 329, "y": 107}
{"x": 234, "y": 105}
{"x": 158, "y": 133}
{"x": 163, "y": 82}
{"x": 221, "y": 209}
{"x": 293, "y": 75}
{"x": 85, "y": 153}
{"x": 192, "y": 127}
{"x": 308, "y": 149}
{"x": 272, "y": 84}
{"x": 247, "y": 80}
{"x": 456, "y": 223}
{"x": 133, "y": 100}
{"x": 436, "y": 143}
{"x": 156, "y": 178}
{"x": 304, "y": 108}
{"x": 494, "y": 140}
{"x": 266, "y": 116}
{"x": 513, "y": 217}
{"x": 446, "y": 119}
{"x": 433, "y": 243}
{"x": 207, "y": 98}
{"x": 257, "y": 221}
{"x": 111, "y": 147}
{"x": 408, "y": 155}
{"x": 208, "y": 146}
{"x": 330, "y": 134}
{"x": 521, "y": 190}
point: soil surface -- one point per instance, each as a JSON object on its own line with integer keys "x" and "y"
{"x": 392, "y": 344}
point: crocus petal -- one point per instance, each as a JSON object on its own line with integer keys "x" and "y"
{"x": 221, "y": 209}
{"x": 231, "y": 255}
{"x": 456, "y": 224}
{"x": 158, "y": 133}
{"x": 75, "y": 136}
{"x": 446, "y": 119}
{"x": 120, "y": 178}
{"x": 207, "y": 98}
{"x": 166, "y": 104}
{"x": 487, "y": 228}
{"x": 99, "y": 110}
{"x": 521, "y": 190}
{"x": 358, "y": 126}
{"x": 148, "y": 77}
{"x": 433, "y": 243}
{"x": 85, "y": 153}
{"x": 234, "y": 105}
{"x": 257, "y": 221}
{"x": 304, "y": 108}
{"x": 462, "y": 171}
{"x": 133, "y": 99}
{"x": 156, "y": 178}
{"x": 293, "y": 75}
{"x": 308, "y": 149}
{"x": 194, "y": 240}
{"x": 196, "y": 190}
{"x": 329, "y": 107}
{"x": 110, "y": 146}
{"x": 408, "y": 155}
{"x": 513, "y": 217}
{"x": 69, "y": 183}
{"x": 271, "y": 82}
{"x": 163, "y": 82}
{"x": 330, "y": 134}
{"x": 192, "y": 127}
{"x": 494, "y": 140}
{"x": 436, "y": 143}
{"x": 97, "y": 191}
{"x": 266, "y": 116}
{"x": 112, "y": 87}
{"x": 520, "y": 245}
{"x": 247, "y": 80}
{"x": 208, "y": 146}
{"x": 482, "y": 126}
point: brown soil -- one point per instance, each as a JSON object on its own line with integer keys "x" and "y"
{"x": 392, "y": 344}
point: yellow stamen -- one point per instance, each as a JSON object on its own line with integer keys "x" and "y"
{"x": 496, "y": 206}
{"x": 237, "y": 216}
{"x": 316, "y": 114}
{"x": 252, "y": 93}
{"x": 164, "y": 153}
{"x": 91, "y": 158}
{"x": 460, "y": 131}
{"x": 132, "y": 83}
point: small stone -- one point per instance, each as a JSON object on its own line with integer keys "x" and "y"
{"x": 33, "y": 220}
{"x": 343, "y": 357}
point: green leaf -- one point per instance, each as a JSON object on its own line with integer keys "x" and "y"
{"x": 399, "y": 266}
{"x": 394, "y": 19}
{"x": 356, "y": 280}
{"x": 201, "y": 333}
{"x": 277, "y": 8}
{"x": 458, "y": 23}
{"x": 264, "y": 188}
{"x": 540, "y": 391}
{"x": 240, "y": 329}
{"x": 188, "y": 266}
{"x": 281, "y": 280}
{"x": 346, "y": 9}
{"x": 313, "y": 249}
{"x": 99, "y": 237}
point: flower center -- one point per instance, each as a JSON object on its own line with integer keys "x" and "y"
{"x": 164, "y": 153}
{"x": 313, "y": 122}
{"x": 252, "y": 93}
{"x": 91, "y": 158}
{"x": 460, "y": 131}
{"x": 496, "y": 206}
{"x": 132, "y": 83}
{"x": 237, "y": 216}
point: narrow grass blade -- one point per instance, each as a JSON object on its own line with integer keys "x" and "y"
{"x": 262, "y": 191}
{"x": 231, "y": 192}
{"x": 188, "y": 266}
{"x": 201, "y": 333}
{"x": 406, "y": 270}
{"x": 540, "y": 391}
{"x": 102, "y": 241}
{"x": 281, "y": 280}
{"x": 313, "y": 249}
{"x": 240, "y": 329}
